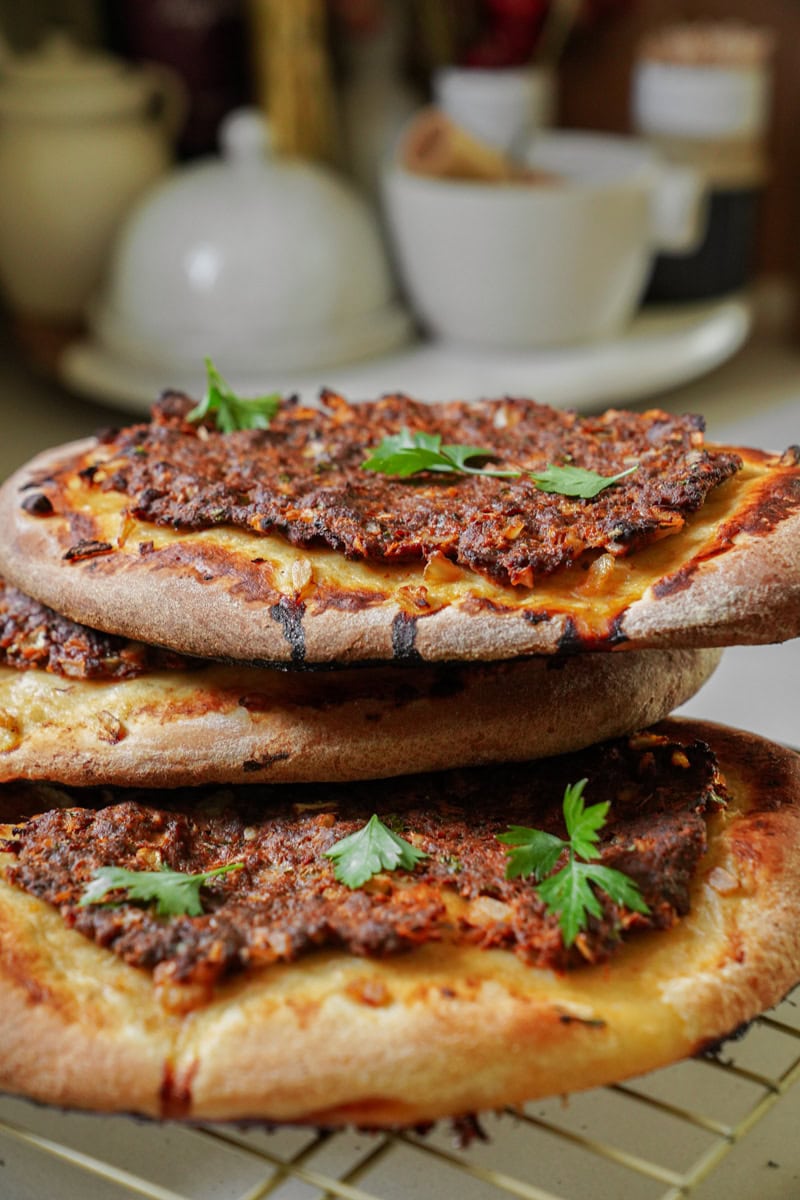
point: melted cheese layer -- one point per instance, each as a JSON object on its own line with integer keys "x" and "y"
{"x": 591, "y": 592}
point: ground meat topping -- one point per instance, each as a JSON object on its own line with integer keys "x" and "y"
{"x": 285, "y": 901}
{"x": 303, "y": 478}
{"x": 32, "y": 635}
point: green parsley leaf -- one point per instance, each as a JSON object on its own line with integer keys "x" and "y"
{"x": 175, "y": 893}
{"x": 369, "y": 850}
{"x": 407, "y": 453}
{"x": 576, "y": 481}
{"x": 534, "y": 851}
{"x": 570, "y": 893}
{"x": 583, "y": 824}
{"x": 233, "y": 412}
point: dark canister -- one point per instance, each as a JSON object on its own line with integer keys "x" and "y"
{"x": 701, "y": 94}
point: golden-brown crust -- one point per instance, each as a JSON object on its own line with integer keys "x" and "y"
{"x": 75, "y": 1030}
{"x": 230, "y": 724}
{"x": 442, "y": 1030}
{"x": 733, "y": 575}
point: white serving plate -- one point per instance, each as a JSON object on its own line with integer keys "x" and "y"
{"x": 661, "y": 349}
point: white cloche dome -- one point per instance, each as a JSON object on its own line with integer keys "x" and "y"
{"x": 263, "y": 264}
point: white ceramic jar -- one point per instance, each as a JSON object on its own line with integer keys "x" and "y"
{"x": 81, "y": 137}
{"x": 704, "y": 80}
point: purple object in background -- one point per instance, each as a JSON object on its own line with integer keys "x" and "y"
{"x": 203, "y": 41}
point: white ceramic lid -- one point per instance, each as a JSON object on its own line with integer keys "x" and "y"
{"x": 268, "y": 262}
{"x": 62, "y": 81}
{"x": 700, "y": 101}
{"x": 704, "y": 80}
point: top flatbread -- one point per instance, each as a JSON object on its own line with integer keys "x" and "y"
{"x": 727, "y": 572}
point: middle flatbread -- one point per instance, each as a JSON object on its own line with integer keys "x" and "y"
{"x": 81, "y": 707}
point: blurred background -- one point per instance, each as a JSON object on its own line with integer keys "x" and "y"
{"x": 406, "y": 191}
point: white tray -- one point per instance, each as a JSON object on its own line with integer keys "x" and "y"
{"x": 661, "y": 349}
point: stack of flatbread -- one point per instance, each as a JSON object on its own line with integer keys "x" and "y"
{"x": 336, "y": 779}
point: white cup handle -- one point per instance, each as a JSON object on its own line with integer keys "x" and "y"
{"x": 679, "y": 208}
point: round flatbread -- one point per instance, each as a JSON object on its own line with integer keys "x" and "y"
{"x": 234, "y": 724}
{"x": 82, "y": 707}
{"x": 713, "y": 560}
{"x": 444, "y": 1028}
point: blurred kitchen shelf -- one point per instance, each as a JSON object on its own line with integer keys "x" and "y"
{"x": 661, "y": 349}
{"x": 664, "y": 1136}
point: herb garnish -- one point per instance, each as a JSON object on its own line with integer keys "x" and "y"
{"x": 405, "y": 453}
{"x": 232, "y": 412}
{"x": 374, "y": 848}
{"x": 175, "y": 893}
{"x": 576, "y": 481}
{"x": 569, "y": 893}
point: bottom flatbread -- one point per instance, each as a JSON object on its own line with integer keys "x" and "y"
{"x": 444, "y": 1028}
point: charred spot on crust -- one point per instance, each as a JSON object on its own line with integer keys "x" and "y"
{"x": 289, "y": 615}
{"x": 777, "y": 499}
{"x": 346, "y": 600}
{"x": 616, "y": 634}
{"x": 677, "y": 582}
{"x": 87, "y": 548}
{"x": 573, "y": 1019}
{"x": 570, "y": 641}
{"x": 573, "y": 641}
{"x": 38, "y": 505}
{"x": 176, "y": 1092}
{"x": 467, "y": 1129}
{"x": 713, "y": 1047}
{"x": 265, "y": 762}
{"x": 535, "y": 616}
{"x": 404, "y": 637}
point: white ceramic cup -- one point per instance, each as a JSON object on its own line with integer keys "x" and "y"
{"x": 529, "y": 265}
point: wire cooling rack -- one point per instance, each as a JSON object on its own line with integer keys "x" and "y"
{"x": 664, "y": 1136}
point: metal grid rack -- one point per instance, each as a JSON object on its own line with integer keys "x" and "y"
{"x": 664, "y": 1136}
